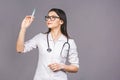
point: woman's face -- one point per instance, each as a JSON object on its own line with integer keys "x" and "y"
{"x": 53, "y": 20}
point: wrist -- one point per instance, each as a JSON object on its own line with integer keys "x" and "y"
{"x": 23, "y": 29}
{"x": 63, "y": 67}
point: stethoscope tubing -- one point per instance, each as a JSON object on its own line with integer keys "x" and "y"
{"x": 66, "y": 43}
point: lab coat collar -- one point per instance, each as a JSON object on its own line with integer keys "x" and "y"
{"x": 61, "y": 38}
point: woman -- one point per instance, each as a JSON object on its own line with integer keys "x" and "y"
{"x": 55, "y": 47}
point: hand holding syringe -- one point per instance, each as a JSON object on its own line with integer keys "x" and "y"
{"x": 28, "y": 20}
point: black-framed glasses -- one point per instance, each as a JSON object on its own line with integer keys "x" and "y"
{"x": 52, "y": 18}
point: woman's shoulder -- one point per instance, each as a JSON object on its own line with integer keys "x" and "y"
{"x": 71, "y": 41}
{"x": 40, "y": 35}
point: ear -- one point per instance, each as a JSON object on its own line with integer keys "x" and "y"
{"x": 61, "y": 22}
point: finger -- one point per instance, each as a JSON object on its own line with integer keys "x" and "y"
{"x": 29, "y": 17}
{"x": 52, "y": 66}
{"x": 56, "y": 68}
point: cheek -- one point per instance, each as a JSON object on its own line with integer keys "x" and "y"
{"x": 57, "y": 23}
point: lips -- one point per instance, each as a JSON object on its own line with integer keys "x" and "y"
{"x": 49, "y": 23}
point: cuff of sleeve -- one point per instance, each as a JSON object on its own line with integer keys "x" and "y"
{"x": 75, "y": 65}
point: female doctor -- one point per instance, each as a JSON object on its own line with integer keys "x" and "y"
{"x": 55, "y": 47}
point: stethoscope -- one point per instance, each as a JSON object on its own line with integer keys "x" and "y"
{"x": 66, "y": 43}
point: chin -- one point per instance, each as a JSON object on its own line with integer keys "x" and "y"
{"x": 49, "y": 27}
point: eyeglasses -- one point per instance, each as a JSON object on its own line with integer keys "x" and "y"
{"x": 52, "y": 18}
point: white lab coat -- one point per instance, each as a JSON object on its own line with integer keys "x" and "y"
{"x": 43, "y": 72}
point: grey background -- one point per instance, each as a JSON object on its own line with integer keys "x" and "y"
{"x": 94, "y": 24}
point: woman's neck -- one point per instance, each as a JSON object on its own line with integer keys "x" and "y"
{"x": 56, "y": 34}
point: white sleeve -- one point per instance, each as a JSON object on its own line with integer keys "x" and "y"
{"x": 31, "y": 44}
{"x": 73, "y": 54}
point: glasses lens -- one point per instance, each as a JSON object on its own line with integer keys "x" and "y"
{"x": 46, "y": 18}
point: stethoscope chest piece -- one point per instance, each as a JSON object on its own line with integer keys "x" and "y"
{"x": 49, "y": 50}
